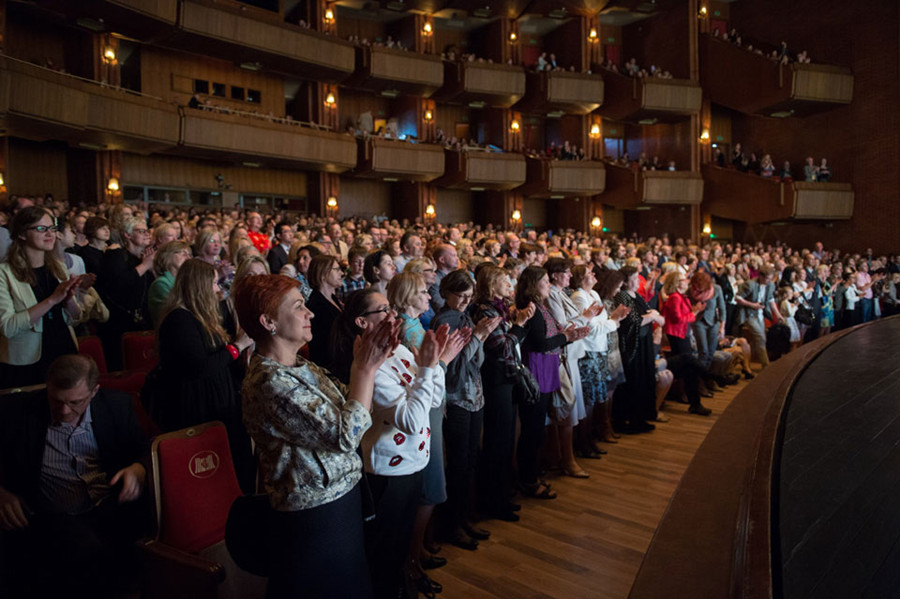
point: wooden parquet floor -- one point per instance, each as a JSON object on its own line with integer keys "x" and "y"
{"x": 589, "y": 542}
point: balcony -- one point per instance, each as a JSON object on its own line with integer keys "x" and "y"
{"x": 754, "y": 199}
{"x": 399, "y": 160}
{"x": 479, "y": 170}
{"x": 141, "y": 19}
{"x": 239, "y": 138}
{"x": 754, "y": 84}
{"x": 563, "y": 178}
{"x": 562, "y": 91}
{"x": 482, "y": 84}
{"x": 212, "y": 29}
{"x": 381, "y": 69}
{"x": 649, "y": 101}
{"x": 628, "y": 188}
{"x": 42, "y": 104}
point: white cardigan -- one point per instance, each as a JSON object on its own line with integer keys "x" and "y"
{"x": 601, "y": 325}
{"x": 399, "y": 441}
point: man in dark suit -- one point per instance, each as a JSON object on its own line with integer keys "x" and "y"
{"x": 70, "y": 478}
{"x": 278, "y": 255}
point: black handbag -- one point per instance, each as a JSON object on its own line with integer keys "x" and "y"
{"x": 246, "y": 533}
{"x": 805, "y": 315}
{"x": 525, "y": 387}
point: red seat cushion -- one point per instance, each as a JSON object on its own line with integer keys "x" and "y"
{"x": 139, "y": 351}
{"x": 197, "y": 487}
{"x": 91, "y": 346}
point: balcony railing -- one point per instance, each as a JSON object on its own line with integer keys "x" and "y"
{"x": 754, "y": 199}
{"x": 629, "y": 188}
{"x": 479, "y": 170}
{"x": 754, "y": 84}
{"x": 495, "y": 85}
{"x": 381, "y": 69}
{"x": 649, "y": 100}
{"x": 564, "y": 178}
{"x": 44, "y": 104}
{"x": 571, "y": 93}
{"x": 391, "y": 159}
{"x": 214, "y": 29}
{"x": 236, "y": 137}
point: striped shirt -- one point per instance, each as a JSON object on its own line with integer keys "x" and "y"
{"x": 348, "y": 286}
{"x": 72, "y": 481}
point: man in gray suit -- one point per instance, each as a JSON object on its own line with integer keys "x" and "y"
{"x": 756, "y": 301}
{"x": 709, "y": 326}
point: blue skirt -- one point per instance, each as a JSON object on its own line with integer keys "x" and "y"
{"x": 594, "y": 371}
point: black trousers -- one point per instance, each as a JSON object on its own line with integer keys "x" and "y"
{"x": 498, "y": 442}
{"x": 688, "y": 369}
{"x": 319, "y": 552}
{"x": 388, "y": 534}
{"x": 531, "y": 437}
{"x": 462, "y": 436}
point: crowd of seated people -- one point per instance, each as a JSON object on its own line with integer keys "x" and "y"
{"x": 764, "y": 166}
{"x": 632, "y": 69}
{"x": 197, "y": 102}
{"x": 643, "y": 163}
{"x": 781, "y": 55}
{"x": 399, "y": 353}
{"x": 390, "y": 42}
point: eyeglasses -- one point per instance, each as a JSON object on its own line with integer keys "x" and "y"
{"x": 44, "y": 228}
{"x": 384, "y": 310}
{"x": 140, "y": 231}
{"x": 337, "y": 269}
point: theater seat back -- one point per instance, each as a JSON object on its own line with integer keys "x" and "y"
{"x": 139, "y": 351}
{"x": 89, "y": 345}
{"x": 195, "y": 485}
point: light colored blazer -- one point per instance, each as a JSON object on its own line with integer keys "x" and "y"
{"x": 20, "y": 342}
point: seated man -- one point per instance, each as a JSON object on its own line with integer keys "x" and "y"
{"x": 70, "y": 475}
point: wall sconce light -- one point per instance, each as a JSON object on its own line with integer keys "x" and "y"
{"x": 703, "y": 12}
{"x": 429, "y": 212}
{"x": 427, "y": 29}
{"x": 332, "y": 203}
{"x": 595, "y": 131}
{"x": 329, "y": 15}
{"x": 113, "y": 185}
{"x": 592, "y": 36}
{"x": 514, "y": 126}
{"x": 707, "y": 229}
{"x": 513, "y": 37}
{"x": 2, "y": 182}
{"x": 516, "y": 215}
{"x": 109, "y": 55}
{"x": 329, "y": 100}
{"x": 596, "y": 223}
{"x": 428, "y": 116}
{"x": 704, "y": 136}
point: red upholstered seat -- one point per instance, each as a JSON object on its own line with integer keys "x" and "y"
{"x": 90, "y": 345}
{"x": 139, "y": 351}
{"x": 195, "y": 486}
{"x": 131, "y": 383}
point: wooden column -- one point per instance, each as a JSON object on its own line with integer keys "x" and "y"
{"x": 595, "y": 147}
{"x": 319, "y": 16}
{"x": 512, "y": 136}
{"x": 4, "y": 172}
{"x": 595, "y": 48}
{"x": 2, "y": 25}
{"x": 324, "y": 105}
{"x": 693, "y": 7}
{"x": 321, "y": 187}
{"x": 106, "y": 65}
{"x": 109, "y": 168}
{"x": 427, "y": 128}
{"x": 424, "y": 34}
{"x": 512, "y": 47}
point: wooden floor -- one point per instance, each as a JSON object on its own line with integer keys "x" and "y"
{"x": 590, "y": 541}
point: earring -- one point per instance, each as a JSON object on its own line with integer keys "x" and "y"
{"x": 273, "y": 331}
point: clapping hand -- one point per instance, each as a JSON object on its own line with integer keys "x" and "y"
{"x": 592, "y": 310}
{"x": 524, "y": 315}
{"x": 376, "y": 344}
{"x": 486, "y": 326}
{"x": 620, "y": 312}
{"x": 574, "y": 334}
{"x": 455, "y": 342}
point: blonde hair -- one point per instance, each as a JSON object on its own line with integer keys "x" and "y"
{"x": 203, "y": 238}
{"x": 487, "y": 282}
{"x": 164, "y": 255}
{"x": 403, "y": 288}
{"x": 671, "y": 281}
{"x": 418, "y": 265}
{"x": 193, "y": 291}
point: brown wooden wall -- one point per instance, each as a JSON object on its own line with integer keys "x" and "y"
{"x": 669, "y": 142}
{"x": 362, "y": 197}
{"x": 661, "y": 41}
{"x": 36, "y": 168}
{"x": 351, "y": 104}
{"x": 674, "y": 220}
{"x": 170, "y": 76}
{"x": 859, "y": 140}
{"x": 454, "y": 206}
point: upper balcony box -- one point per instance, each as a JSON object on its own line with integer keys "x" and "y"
{"x": 399, "y": 160}
{"x": 482, "y": 84}
{"x": 754, "y": 84}
{"x": 630, "y": 188}
{"x": 562, "y": 91}
{"x": 564, "y": 178}
{"x": 42, "y": 104}
{"x": 239, "y": 138}
{"x": 386, "y": 69}
{"x": 478, "y": 170}
{"x": 754, "y": 199}
{"x": 648, "y": 101}
{"x": 215, "y": 29}
{"x": 140, "y": 19}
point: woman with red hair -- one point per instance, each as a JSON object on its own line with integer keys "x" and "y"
{"x": 307, "y": 427}
{"x": 678, "y": 312}
{"x": 709, "y": 324}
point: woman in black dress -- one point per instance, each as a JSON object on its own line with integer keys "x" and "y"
{"x": 635, "y": 399}
{"x": 193, "y": 383}
{"x": 96, "y": 229}
{"x": 325, "y": 277}
{"x": 37, "y": 301}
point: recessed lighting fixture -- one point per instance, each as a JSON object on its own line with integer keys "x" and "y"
{"x": 252, "y": 164}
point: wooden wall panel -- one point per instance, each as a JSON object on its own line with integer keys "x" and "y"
{"x": 447, "y": 116}
{"x": 361, "y": 197}
{"x": 445, "y": 37}
{"x": 454, "y": 206}
{"x": 501, "y": 80}
{"x": 351, "y": 104}
{"x": 162, "y": 71}
{"x": 363, "y": 28}
{"x": 166, "y": 10}
{"x": 661, "y": 41}
{"x": 659, "y": 219}
{"x": 669, "y": 142}
{"x": 36, "y": 168}
{"x": 534, "y": 212}
{"x": 663, "y": 187}
{"x": 168, "y": 171}
{"x": 34, "y": 42}
{"x": 823, "y": 200}
{"x": 859, "y": 140}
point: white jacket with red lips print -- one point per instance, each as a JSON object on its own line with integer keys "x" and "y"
{"x": 399, "y": 441}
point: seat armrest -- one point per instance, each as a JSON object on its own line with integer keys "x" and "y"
{"x": 171, "y": 573}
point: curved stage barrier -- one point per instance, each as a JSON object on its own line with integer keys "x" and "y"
{"x": 794, "y": 492}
